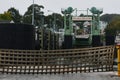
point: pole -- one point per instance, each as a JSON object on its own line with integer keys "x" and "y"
{"x": 54, "y": 25}
{"x": 118, "y": 56}
{"x": 76, "y": 11}
{"x": 33, "y": 14}
{"x": 87, "y": 11}
{"x": 54, "y": 21}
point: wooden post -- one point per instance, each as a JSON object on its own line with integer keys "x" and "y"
{"x": 118, "y": 56}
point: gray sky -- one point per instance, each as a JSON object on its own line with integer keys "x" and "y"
{"x": 109, "y": 6}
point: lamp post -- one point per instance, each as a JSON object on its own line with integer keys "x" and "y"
{"x": 33, "y": 13}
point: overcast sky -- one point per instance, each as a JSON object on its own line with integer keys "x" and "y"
{"x": 109, "y": 6}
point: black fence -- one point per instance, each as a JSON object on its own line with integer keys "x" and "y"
{"x": 17, "y": 36}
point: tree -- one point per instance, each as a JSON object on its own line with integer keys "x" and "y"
{"x": 108, "y": 17}
{"x": 27, "y": 18}
{"x": 15, "y": 15}
{"x": 113, "y": 27}
{"x": 6, "y": 16}
{"x": 58, "y": 20}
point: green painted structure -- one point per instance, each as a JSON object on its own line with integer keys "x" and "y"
{"x": 68, "y": 28}
{"x": 81, "y": 38}
{"x": 68, "y": 21}
{"x": 95, "y": 21}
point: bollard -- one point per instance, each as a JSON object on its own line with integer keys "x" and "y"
{"x": 118, "y": 56}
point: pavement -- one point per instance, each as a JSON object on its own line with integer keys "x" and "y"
{"x": 70, "y": 76}
{"x": 112, "y": 75}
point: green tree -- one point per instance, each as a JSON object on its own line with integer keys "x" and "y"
{"x": 113, "y": 27}
{"x": 109, "y": 17}
{"x": 27, "y": 18}
{"x": 49, "y": 19}
{"x": 15, "y": 15}
{"x": 5, "y": 16}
